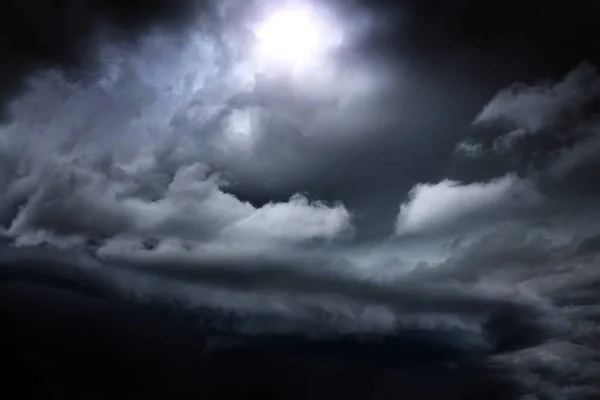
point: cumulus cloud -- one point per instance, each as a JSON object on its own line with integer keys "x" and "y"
{"x": 142, "y": 149}
{"x": 78, "y": 200}
{"x": 297, "y": 219}
{"x": 550, "y": 126}
{"x": 134, "y": 156}
{"x": 449, "y": 203}
{"x": 538, "y": 107}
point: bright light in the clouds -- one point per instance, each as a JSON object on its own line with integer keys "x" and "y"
{"x": 296, "y": 35}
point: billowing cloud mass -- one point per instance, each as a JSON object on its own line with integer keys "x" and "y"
{"x": 398, "y": 214}
{"x": 136, "y": 154}
{"x": 538, "y": 107}
{"x": 556, "y": 271}
{"x": 433, "y": 207}
{"x": 553, "y": 125}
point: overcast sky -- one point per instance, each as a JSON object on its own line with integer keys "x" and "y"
{"x": 440, "y": 161}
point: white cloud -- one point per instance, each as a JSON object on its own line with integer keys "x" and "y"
{"x": 77, "y": 200}
{"x": 439, "y": 206}
{"x": 296, "y": 220}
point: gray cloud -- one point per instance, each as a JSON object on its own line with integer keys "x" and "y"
{"x": 134, "y": 154}
{"x": 538, "y": 107}
{"x": 140, "y": 168}
{"x": 550, "y": 264}
{"x": 548, "y": 127}
{"x": 448, "y": 203}
{"x": 76, "y": 200}
{"x": 582, "y": 153}
{"x": 295, "y": 285}
{"x": 523, "y": 299}
{"x": 187, "y": 99}
{"x": 471, "y": 150}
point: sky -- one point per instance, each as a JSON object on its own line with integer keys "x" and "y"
{"x": 317, "y": 168}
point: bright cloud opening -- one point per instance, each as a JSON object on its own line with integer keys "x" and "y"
{"x": 296, "y": 36}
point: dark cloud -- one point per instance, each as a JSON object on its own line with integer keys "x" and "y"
{"x": 547, "y": 130}
{"x": 547, "y": 118}
{"x": 548, "y": 267}
{"x": 103, "y": 331}
{"x": 504, "y": 307}
{"x": 168, "y": 201}
{"x": 65, "y": 34}
{"x": 537, "y": 108}
{"x": 449, "y": 59}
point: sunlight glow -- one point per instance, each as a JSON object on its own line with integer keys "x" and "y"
{"x": 296, "y": 36}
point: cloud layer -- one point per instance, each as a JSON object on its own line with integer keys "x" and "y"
{"x": 120, "y": 175}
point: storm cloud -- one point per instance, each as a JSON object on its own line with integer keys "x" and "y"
{"x": 421, "y": 207}
{"x": 549, "y": 125}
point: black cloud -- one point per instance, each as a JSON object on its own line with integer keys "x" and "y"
{"x": 101, "y": 324}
